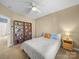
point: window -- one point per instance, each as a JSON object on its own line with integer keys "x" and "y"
{"x": 4, "y": 26}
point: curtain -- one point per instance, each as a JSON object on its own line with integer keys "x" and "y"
{"x": 3, "y": 29}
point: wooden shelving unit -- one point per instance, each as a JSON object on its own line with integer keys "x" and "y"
{"x": 22, "y": 31}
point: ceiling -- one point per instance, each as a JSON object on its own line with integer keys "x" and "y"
{"x": 45, "y": 6}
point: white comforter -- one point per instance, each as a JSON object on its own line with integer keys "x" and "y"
{"x": 40, "y": 48}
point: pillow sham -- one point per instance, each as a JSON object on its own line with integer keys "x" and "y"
{"x": 54, "y": 36}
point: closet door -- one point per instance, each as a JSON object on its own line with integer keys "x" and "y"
{"x": 28, "y": 31}
{"x": 18, "y": 32}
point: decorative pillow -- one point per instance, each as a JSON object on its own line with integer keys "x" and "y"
{"x": 54, "y": 36}
{"x": 42, "y": 34}
{"x": 47, "y": 35}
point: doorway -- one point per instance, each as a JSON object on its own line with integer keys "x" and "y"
{"x": 5, "y": 31}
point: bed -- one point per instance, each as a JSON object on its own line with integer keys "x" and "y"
{"x": 41, "y": 48}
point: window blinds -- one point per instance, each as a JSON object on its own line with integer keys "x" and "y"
{"x": 3, "y": 20}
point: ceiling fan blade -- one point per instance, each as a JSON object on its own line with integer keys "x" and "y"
{"x": 28, "y": 6}
{"x": 28, "y": 10}
{"x": 38, "y": 10}
{"x": 25, "y": 1}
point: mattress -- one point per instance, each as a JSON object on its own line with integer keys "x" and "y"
{"x": 41, "y": 48}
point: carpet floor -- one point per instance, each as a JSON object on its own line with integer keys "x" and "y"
{"x": 65, "y": 54}
{"x": 17, "y": 53}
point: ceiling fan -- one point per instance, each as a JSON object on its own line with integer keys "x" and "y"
{"x": 33, "y": 7}
{"x": 30, "y": 5}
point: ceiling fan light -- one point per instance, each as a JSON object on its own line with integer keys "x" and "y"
{"x": 34, "y": 8}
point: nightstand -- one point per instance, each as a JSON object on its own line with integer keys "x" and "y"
{"x": 67, "y": 43}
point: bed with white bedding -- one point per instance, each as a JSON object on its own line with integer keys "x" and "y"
{"x": 40, "y": 48}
